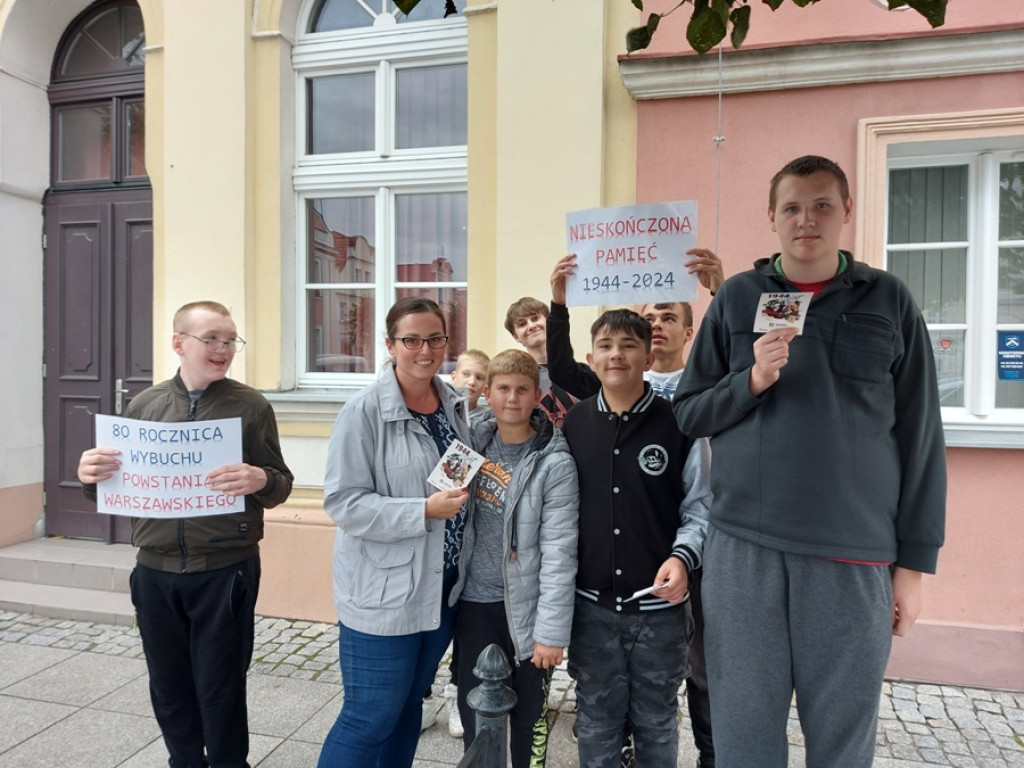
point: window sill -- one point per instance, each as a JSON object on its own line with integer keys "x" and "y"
{"x": 311, "y": 404}
{"x": 984, "y": 435}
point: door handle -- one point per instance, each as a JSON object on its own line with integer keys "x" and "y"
{"x": 119, "y": 392}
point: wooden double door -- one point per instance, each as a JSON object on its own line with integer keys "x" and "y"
{"x": 98, "y": 337}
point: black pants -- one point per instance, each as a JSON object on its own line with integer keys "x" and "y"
{"x": 697, "y": 700}
{"x": 477, "y": 626}
{"x": 197, "y": 634}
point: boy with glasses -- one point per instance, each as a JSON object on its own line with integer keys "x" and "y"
{"x": 195, "y": 585}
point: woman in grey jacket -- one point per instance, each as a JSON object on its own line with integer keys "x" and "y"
{"x": 397, "y": 546}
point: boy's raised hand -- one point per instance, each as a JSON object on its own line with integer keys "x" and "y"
{"x": 566, "y": 266}
{"x": 672, "y": 571}
{"x": 707, "y": 266}
{"x": 771, "y": 353}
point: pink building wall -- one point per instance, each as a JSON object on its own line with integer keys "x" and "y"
{"x": 972, "y": 628}
{"x": 829, "y": 21}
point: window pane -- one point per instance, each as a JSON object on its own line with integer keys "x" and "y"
{"x": 429, "y": 9}
{"x": 948, "y": 347}
{"x": 341, "y": 14}
{"x": 928, "y": 205}
{"x": 938, "y": 280}
{"x": 1010, "y": 394}
{"x": 453, "y": 303}
{"x": 430, "y": 238}
{"x": 112, "y": 41}
{"x": 431, "y": 106}
{"x": 340, "y": 240}
{"x": 341, "y": 331}
{"x": 1011, "y": 201}
{"x": 341, "y": 113}
{"x": 135, "y": 114}
{"x": 1010, "y": 302}
{"x": 348, "y": 14}
{"x": 83, "y": 137}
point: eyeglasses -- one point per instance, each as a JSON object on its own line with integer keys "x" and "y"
{"x": 238, "y": 344}
{"x": 415, "y": 342}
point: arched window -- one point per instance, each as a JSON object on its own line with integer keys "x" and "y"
{"x": 380, "y": 178}
{"x": 331, "y": 15}
{"x": 96, "y": 94}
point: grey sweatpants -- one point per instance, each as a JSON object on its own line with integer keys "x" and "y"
{"x": 776, "y": 623}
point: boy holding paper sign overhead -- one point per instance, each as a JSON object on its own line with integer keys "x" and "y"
{"x": 194, "y": 587}
{"x": 644, "y": 499}
{"x": 814, "y": 557}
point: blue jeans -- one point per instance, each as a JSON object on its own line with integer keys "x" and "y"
{"x": 384, "y": 679}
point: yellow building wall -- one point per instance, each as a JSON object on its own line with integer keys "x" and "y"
{"x": 552, "y": 130}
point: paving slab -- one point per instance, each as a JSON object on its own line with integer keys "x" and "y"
{"x": 23, "y": 719}
{"x": 279, "y": 706}
{"x": 79, "y": 680}
{"x": 20, "y": 661}
{"x": 87, "y": 739}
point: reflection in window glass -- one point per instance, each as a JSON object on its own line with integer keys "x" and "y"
{"x": 340, "y": 335}
{"x": 341, "y": 113}
{"x": 341, "y": 246}
{"x": 928, "y": 205}
{"x": 453, "y": 304}
{"x": 135, "y": 114}
{"x": 83, "y": 136}
{"x": 1010, "y": 394}
{"x": 1011, "y": 201}
{"x": 948, "y": 347}
{"x": 430, "y": 106}
{"x": 430, "y": 237}
{"x": 1010, "y": 300}
{"x": 938, "y": 280}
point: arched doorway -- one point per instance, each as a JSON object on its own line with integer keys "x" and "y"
{"x": 98, "y": 264}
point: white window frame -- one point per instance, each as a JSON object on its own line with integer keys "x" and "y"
{"x": 382, "y": 173}
{"x": 978, "y": 422}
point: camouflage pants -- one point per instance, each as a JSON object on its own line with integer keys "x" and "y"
{"x": 629, "y": 666}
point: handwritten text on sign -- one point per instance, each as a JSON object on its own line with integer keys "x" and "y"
{"x": 164, "y": 466}
{"x": 632, "y": 254}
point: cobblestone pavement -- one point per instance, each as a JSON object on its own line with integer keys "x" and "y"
{"x": 918, "y": 724}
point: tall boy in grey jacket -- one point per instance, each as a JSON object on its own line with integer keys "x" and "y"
{"x": 829, "y": 484}
{"x": 518, "y": 562}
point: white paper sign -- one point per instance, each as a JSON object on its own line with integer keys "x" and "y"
{"x": 456, "y": 468}
{"x": 782, "y": 310}
{"x": 164, "y": 466}
{"x": 632, "y": 254}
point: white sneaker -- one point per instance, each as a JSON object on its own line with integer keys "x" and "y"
{"x": 451, "y": 695}
{"x": 431, "y": 709}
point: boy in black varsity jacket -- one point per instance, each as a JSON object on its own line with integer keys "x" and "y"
{"x": 644, "y": 499}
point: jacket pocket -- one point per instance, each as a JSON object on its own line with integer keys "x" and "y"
{"x": 864, "y": 347}
{"x": 383, "y": 579}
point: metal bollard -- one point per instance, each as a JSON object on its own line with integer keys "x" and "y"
{"x": 492, "y": 700}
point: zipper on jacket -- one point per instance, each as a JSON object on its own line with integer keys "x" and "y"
{"x": 532, "y": 458}
{"x": 193, "y": 406}
{"x": 183, "y": 545}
